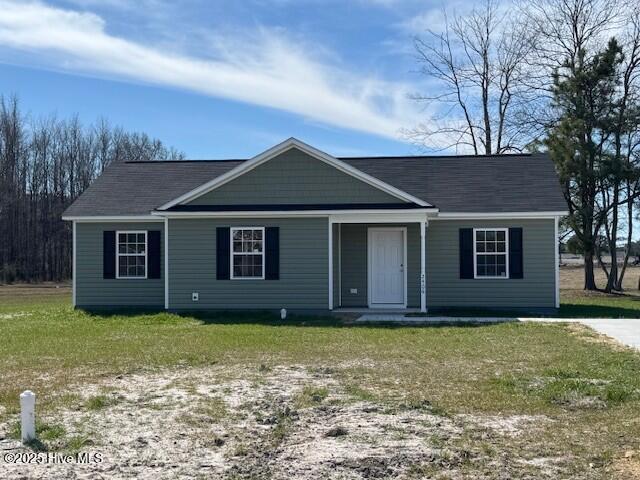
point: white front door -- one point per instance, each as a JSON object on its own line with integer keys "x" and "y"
{"x": 387, "y": 267}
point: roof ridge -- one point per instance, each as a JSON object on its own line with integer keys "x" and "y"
{"x": 190, "y": 160}
{"x": 371, "y": 157}
{"x": 382, "y": 157}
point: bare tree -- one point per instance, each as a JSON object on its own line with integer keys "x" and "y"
{"x": 44, "y": 165}
{"x": 621, "y": 184}
{"x": 478, "y": 63}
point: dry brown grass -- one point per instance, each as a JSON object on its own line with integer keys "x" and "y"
{"x": 572, "y": 278}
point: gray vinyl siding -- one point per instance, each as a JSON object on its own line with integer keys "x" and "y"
{"x": 535, "y": 290}
{"x": 294, "y": 178}
{"x": 303, "y": 283}
{"x": 94, "y": 291}
{"x": 353, "y": 250}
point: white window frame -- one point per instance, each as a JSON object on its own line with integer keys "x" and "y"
{"x": 506, "y": 253}
{"x": 232, "y": 253}
{"x": 118, "y": 255}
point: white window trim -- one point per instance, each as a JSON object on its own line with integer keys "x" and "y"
{"x": 506, "y": 253}
{"x": 232, "y": 253}
{"x": 146, "y": 255}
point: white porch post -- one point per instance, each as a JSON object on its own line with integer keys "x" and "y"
{"x": 330, "y": 223}
{"x": 74, "y": 268}
{"x": 423, "y": 284}
{"x": 556, "y": 258}
{"x": 166, "y": 263}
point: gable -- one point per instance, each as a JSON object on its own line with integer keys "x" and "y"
{"x": 294, "y": 177}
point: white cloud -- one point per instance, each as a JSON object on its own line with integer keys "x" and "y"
{"x": 265, "y": 69}
{"x": 434, "y": 17}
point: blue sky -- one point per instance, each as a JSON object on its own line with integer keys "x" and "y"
{"x": 223, "y": 79}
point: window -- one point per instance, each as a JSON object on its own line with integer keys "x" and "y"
{"x": 490, "y": 249}
{"x": 131, "y": 258}
{"x": 247, "y": 253}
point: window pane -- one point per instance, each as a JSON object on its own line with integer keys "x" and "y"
{"x": 480, "y": 236}
{"x": 246, "y": 234}
{"x": 257, "y": 234}
{"x": 141, "y": 238}
{"x": 257, "y": 247}
{"x": 491, "y": 235}
{"x": 491, "y": 265}
{"x": 237, "y": 234}
{"x": 480, "y": 247}
{"x": 491, "y": 247}
{"x": 500, "y": 247}
{"x": 247, "y": 266}
{"x": 500, "y": 236}
{"x": 237, "y": 246}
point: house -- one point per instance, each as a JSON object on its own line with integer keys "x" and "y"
{"x": 296, "y": 228}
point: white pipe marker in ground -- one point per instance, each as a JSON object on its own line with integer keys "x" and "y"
{"x": 28, "y": 415}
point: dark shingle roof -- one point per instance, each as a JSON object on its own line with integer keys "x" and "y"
{"x": 137, "y": 188}
{"x": 473, "y": 184}
{"x": 505, "y": 183}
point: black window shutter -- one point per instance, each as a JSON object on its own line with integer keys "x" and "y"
{"x": 223, "y": 252}
{"x": 516, "y": 269}
{"x": 272, "y": 251}
{"x": 466, "y": 253}
{"x": 153, "y": 253}
{"x": 109, "y": 254}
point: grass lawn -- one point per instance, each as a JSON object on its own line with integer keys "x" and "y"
{"x": 581, "y": 391}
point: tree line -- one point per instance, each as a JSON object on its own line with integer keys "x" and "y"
{"x": 45, "y": 164}
{"x": 561, "y": 76}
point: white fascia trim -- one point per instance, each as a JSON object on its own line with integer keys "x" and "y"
{"x": 112, "y": 218}
{"x": 498, "y": 215}
{"x": 409, "y": 217}
{"x": 279, "y": 149}
{"x": 392, "y": 213}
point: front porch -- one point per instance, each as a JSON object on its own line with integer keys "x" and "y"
{"x": 377, "y": 263}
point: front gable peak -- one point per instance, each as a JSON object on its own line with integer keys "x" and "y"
{"x": 379, "y": 187}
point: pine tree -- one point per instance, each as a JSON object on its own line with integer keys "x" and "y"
{"x": 584, "y": 96}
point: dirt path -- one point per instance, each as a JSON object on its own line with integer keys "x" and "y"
{"x": 281, "y": 423}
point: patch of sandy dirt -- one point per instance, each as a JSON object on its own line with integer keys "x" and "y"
{"x": 511, "y": 426}
{"x": 627, "y": 466}
{"x": 10, "y": 316}
{"x": 280, "y": 423}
